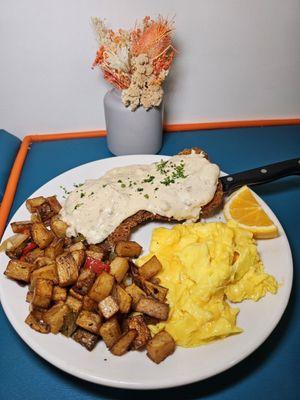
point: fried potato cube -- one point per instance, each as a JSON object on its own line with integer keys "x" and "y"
{"x": 59, "y": 294}
{"x": 74, "y": 304}
{"x": 69, "y": 325}
{"x": 46, "y": 272}
{"x": 118, "y": 268}
{"x": 160, "y": 346}
{"x": 85, "y": 281}
{"x": 19, "y": 270}
{"x": 33, "y": 204}
{"x": 138, "y": 323}
{"x": 54, "y": 317}
{"x": 79, "y": 257}
{"x": 85, "y": 338}
{"x": 96, "y": 255}
{"x": 128, "y": 280}
{"x": 54, "y": 204}
{"x": 21, "y": 227}
{"x": 150, "y": 320}
{"x": 124, "y": 324}
{"x": 77, "y": 246}
{"x": 45, "y": 212}
{"x": 40, "y": 235}
{"x": 89, "y": 304}
{"x": 35, "y": 218}
{"x": 153, "y": 308}
{"x": 36, "y": 322}
{"x": 110, "y": 331}
{"x": 102, "y": 286}
{"x": 155, "y": 280}
{"x": 156, "y": 291}
{"x": 89, "y": 321}
{"x": 58, "y": 227}
{"x": 108, "y": 307}
{"x": 136, "y": 277}
{"x": 128, "y": 249}
{"x": 150, "y": 268}
{"x": 42, "y": 293}
{"x": 29, "y": 296}
{"x": 97, "y": 248}
{"x": 124, "y": 342}
{"x": 55, "y": 248}
{"x": 123, "y": 299}
{"x": 101, "y": 251}
{"x": 33, "y": 255}
{"x": 77, "y": 296}
{"x": 135, "y": 292}
{"x": 67, "y": 270}
{"x": 42, "y": 261}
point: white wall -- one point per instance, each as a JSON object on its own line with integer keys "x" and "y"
{"x": 239, "y": 59}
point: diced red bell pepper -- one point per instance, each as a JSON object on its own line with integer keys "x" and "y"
{"x": 29, "y": 247}
{"x": 96, "y": 266}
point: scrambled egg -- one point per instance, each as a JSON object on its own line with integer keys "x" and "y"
{"x": 204, "y": 265}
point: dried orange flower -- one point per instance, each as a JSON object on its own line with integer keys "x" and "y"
{"x": 136, "y": 61}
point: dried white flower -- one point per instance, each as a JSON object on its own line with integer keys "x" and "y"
{"x": 119, "y": 59}
{"x": 143, "y": 90}
{"x": 134, "y": 59}
{"x": 101, "y": 31}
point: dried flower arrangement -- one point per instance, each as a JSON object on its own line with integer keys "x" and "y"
{"x": 136, "y": 61}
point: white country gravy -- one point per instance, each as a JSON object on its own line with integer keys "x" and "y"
{"x": 176, "y": 188}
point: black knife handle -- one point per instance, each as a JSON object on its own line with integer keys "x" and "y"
{"x": 257, "y": 176}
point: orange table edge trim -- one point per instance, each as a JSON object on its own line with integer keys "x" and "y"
{"x": 14, "y": 176}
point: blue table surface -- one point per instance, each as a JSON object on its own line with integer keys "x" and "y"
{"x": 271, "y": 371}
{"x": 9, "y": 146}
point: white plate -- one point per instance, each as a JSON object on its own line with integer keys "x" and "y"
{"x": 135, "y": 370}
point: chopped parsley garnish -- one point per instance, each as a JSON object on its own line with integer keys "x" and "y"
{"x": 146, "y": 196}
{"x": 123, "y": 185}
{"x": 160, "y": 166}
{"x": 177, "y": 173}
{"x": 65, "y": 190}
{"x": 119, "y": 181}
{"x": 167, "y": 181}
{"x": 139, "y": 189}
{"x": 77, "y": 185}
{"x": 104, "y": 186}
{"x": 82, "y": 195}
{"x": 78, "y": 205}
{"x": 91, "y": 194}
{"x": 149, "y": 179}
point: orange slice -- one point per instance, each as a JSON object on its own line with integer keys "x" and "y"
{"x": 243, "y": 208}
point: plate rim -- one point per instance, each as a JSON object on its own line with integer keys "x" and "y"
{"x": 62, "y": 365}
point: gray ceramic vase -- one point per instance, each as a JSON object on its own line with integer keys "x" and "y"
{"x": 132, "y": 132}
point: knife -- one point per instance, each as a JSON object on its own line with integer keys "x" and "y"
{"x": 258, "y": 176}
